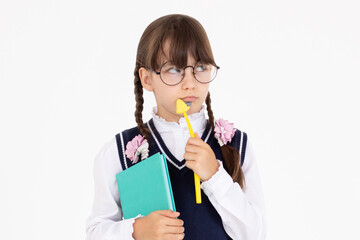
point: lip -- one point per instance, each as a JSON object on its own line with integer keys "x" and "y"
{"x": 189, "y": 99}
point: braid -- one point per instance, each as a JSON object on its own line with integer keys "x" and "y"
{"x": 230, "y": 155}
{"x": 138, "y": 90}
{"x": 209, "y": 110}
{"x": 232, "y": 164}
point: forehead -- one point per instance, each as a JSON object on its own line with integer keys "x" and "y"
{"x": 164, "y": 55}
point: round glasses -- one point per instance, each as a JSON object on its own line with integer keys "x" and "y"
{"x": 172, "y": 75}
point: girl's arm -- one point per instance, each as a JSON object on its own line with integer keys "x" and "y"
{"x": 242, "y": 212}
{"x": 105, "y": 221}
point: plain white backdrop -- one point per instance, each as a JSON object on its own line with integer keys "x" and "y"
{"x": 289, "y": 78}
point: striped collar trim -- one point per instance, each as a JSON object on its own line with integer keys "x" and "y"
{"x": 163, "y": 148}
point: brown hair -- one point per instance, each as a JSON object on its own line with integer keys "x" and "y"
{"x": 186, "y": 36}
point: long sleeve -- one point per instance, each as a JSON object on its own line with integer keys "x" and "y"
{"x": 242, "y": 212}
{"x": 105, "y": 220}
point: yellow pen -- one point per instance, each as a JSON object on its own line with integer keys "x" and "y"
{"x": 181, "y": 108}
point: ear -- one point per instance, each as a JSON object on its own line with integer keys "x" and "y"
{"x": 146, "y": 79}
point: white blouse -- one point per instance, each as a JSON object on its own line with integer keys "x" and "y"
{"x": 242, "y": 212}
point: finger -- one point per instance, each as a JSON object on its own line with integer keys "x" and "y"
{"x": 197, "y": 136}
{"x": 195, "y": 151}
{"x": 191, "y": 165}
{"x": 174, "y": 222}
{"x": 192, "y": 148}
{"x": 168, "y": 213}
{"x": 174, "y": 229}
{"x": 174, "y": 236}
{"x": 190, "y": 156}
{"x": 195, "y": 141}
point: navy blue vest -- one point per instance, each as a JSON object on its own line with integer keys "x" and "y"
{"x": 201, "y": 221}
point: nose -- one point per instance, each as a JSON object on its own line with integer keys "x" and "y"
{"x": 189, "y": 80}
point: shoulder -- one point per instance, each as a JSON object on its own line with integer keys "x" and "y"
{"x": 227, "y": 133}
{"x": 239, "y": 136}
{"x": 239, "y": 142}
{"x": 126, "y": 135}
{"x": 107, "y": 158}
{"x": 108, "y": 148}
{"x": 127, "y": 144}
{"x": 129, "y": 131}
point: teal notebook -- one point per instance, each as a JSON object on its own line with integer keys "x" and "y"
{"x": 145, "y": 187}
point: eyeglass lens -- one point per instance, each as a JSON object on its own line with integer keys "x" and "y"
{"x": 172, "y": 74}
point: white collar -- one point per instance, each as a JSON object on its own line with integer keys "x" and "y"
{"x": 197, "y": 120}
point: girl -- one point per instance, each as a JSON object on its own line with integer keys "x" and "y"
{"x": 174, "y": 60}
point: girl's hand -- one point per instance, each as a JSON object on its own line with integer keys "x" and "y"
{"x": 158, "y": 225}
{"x": 200, "y": 158}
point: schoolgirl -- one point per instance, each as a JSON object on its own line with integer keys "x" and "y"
{"x": 175, "y": 61}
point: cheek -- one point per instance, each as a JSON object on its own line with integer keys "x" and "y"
{"x": 167, "y": 94}
{"x": 204, "y": 91}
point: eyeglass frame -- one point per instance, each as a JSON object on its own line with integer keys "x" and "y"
{"x": 193, "y": 72}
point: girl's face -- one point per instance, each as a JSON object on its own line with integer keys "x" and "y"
{"x": 166, "y": 96}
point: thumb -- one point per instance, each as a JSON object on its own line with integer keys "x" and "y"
{"x": 197, "y": 135}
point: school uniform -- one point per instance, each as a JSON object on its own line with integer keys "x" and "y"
{"x": 226, "y": 212}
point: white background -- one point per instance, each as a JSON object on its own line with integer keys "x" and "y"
{"x": 288, "y": 78}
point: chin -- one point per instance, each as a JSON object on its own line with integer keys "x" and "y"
{"x": 194, "y": 109}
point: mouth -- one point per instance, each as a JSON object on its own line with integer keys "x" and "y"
{"x": 189, "y": 99}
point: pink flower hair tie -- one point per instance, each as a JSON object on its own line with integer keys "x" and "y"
{"x": 224, "y": 131}
{"x": 137, "y": 146}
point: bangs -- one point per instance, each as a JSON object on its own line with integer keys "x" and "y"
{"x": 185, "y": 36}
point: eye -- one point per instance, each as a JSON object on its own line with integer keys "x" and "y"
{"x": 201, "y": 67}
{"x": 171, "y": 69}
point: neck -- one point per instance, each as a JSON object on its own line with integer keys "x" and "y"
{"x": 169, "y": 117}
{"x": 174, "y": 117}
